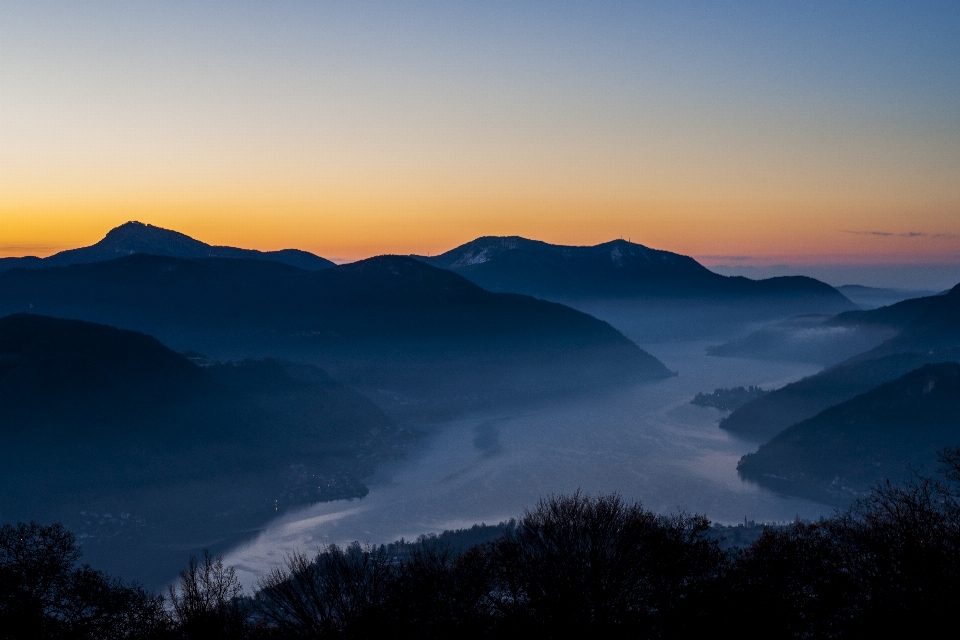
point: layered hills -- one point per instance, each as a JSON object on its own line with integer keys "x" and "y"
{"x": 617, "y": 269}
{"x": 936, "y": 327}
{"x": 393, "y": 325}
{"x": 823, "y": 339}
{"x": 842, "y": 451}
{"x": 136, "y": 237}
{"x": 765, "y": 417}
{"x": 98, "y": 419}
{"x": 930, "y": 334}
{"x": 651, "y": 295}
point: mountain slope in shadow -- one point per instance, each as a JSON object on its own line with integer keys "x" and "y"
{"x": 838, "y": 454}
{"x": 826, "y": 340}
{"x": 617, "y": 269}
{"x": 393, "y": 325}
{"x": 98, "y": 419}
{"x": 765, "y": 417}
{"x": 930, "y": 336}
{"x": 936, "y": 327}
{"x": 650, "y": 295}
{"x": 136, "y": 237}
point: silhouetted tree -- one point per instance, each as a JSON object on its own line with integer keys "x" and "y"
{"x": 327, "y": 594}
{"x": 905, "y": 552}
{"x": 600, "y": 566}
{"x": 436, "y": 593}
{"x": 890, "y": 565}
{"x": 206, "y": 601}
{"x": 44, "y": 594}
{"x": 795, "y": 583}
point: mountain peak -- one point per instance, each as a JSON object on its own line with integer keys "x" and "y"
{"x": 614, "y": 269}
{"x": 138, "y": 237}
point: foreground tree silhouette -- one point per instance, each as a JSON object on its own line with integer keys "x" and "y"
{"x": 888, "y": 566}
{"x": 44, "y": 593}
{"x": 340, "y": 589}
{"x": 437, "y": 594}
{"x": 206, "y": 601}
{"x": 600, "y": 566}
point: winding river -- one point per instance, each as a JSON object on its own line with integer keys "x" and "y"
{"x": 647, "y": 443}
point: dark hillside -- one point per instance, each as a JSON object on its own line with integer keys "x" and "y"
{"x": 97, "y": 419}
{"x": 617, "y": 269}
{"x": 55, "y": 370}
{"x": 897, "y": 316}
{"x": 937, "y": 327}
{"x": 136, "y": 237}
{"x": 765, "y": 417}
{"x": 932, "y": 335}
{"x": 389, "y": 323}
{"x": 841, "y": 452}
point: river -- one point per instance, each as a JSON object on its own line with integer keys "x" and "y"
{"x": 646, "y": 442}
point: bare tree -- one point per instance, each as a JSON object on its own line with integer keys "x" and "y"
{"x": 326, "y": 593}
{"x": 206, "y": 601}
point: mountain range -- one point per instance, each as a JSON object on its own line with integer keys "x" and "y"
{"x": 616, "y": 269}
{"x": 652, "y": 295}
{"x": 829, "y": 340}
{"x": 136, "y": 237}
{"x": 842, "y": 451}
{"x": 389, "y": 324}
{"x": 930, "y": 333}
{"x": 936, "y": 327}
{"x": 99, "y": 419}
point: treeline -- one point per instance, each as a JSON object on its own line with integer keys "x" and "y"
{"x": 573, "y": 566}
{"x": 729, "y": 399}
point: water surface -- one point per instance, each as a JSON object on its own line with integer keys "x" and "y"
{"x": 646, "y": 442}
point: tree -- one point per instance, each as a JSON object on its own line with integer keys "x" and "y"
{"x": 45, "y": 594}
{"x": 206, "y": 601}
{"x": 436, "y": 593}
{"x": 329, "y": 593}
{"x": 600, "y": 566}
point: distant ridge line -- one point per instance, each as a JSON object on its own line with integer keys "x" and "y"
{"x": 138, "y": 237}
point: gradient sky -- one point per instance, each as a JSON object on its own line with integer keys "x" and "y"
{"x": 739, "y": 133}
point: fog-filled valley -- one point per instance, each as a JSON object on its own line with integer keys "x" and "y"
{"x": 646, "y": 441}
{"x": 161, "y": 398}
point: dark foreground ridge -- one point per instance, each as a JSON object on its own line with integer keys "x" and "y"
{"x": 573, "y": 566}
{"x": 137, "y": 237}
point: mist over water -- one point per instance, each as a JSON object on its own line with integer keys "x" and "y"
{"x": 646, "y": 442}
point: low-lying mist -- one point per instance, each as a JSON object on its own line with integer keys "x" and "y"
{"x": 646, "y": 441}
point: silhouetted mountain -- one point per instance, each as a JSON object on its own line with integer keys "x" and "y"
{"x": 617, "y": 269}
{"x": 841, "y": 452}
{"x": 765, "y": 417}
{"x": 136, "y": 237}
{"x": 391, "y": 324}
{"x": 895, "y": 316}
{"x": 95, "y": 418}
{"x": 873, "y": 297}
{"x": 936, "y": 327}
{"x": 826, "y": 340}
{"x": 810, "y": 338}
{"x": 931, "y": 334}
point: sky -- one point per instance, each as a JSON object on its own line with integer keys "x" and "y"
{"x": 745, "y": 134}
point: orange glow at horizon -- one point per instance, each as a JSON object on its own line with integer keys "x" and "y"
{"x": 352, "y": 131}
{"x": 735, "y": 232}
